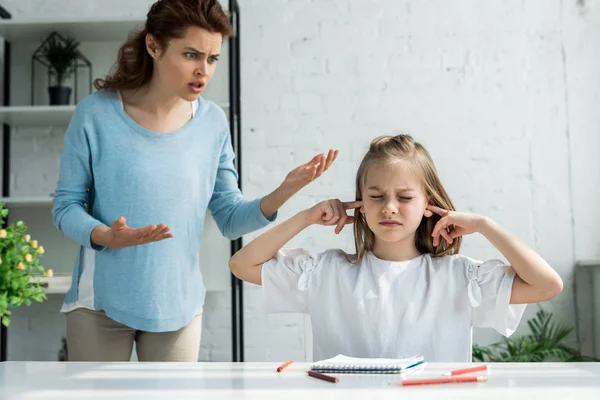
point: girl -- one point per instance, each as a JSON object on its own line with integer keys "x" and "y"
{"x": 406, "y": 291}
{"x": 144, "y": 158}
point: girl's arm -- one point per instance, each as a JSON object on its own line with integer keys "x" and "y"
{"x": 535, "y": 281}
{"x": 247, "y": 263}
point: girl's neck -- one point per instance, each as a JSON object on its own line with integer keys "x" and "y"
{"x": 396, "y": 251}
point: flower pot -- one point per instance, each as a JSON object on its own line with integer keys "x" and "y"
{"x": 59, "y": 95}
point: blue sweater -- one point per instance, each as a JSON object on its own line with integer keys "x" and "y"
{"x": 111, "y": 166}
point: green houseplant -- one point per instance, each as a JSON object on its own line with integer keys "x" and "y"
{"x": 20, "y": 268}
{"x": 543, "y": 344}
{"x": 61, "y": 55}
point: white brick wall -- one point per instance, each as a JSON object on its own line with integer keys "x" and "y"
{"x": 503, "y": 93}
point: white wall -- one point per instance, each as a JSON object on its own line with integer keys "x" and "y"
{"x": 503, "y": 93}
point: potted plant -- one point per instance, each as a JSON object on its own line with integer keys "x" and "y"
{"x": 61, "y": 55}
{"x": 20, "y": 268}
{"x": 543, "y": 344}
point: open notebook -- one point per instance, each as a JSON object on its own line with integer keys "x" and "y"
{"x": 344, "y": 364}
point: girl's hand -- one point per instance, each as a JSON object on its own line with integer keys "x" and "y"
{"x": 452, "y": 224}
{"x": 306, "y": 173}
{"x": 332, "y": 212}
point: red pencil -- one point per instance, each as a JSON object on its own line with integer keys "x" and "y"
{"x": 467, "y": 370}
{"x": 461, "y": 379}
{"x": 324, "y": 377}
{"x": 284, "y": 365}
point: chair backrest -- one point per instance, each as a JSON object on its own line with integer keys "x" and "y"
{"x": 587, "y": 306}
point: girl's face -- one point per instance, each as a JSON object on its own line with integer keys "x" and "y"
{"x": 393, "y": 203}
{"x": 187, "y": 64}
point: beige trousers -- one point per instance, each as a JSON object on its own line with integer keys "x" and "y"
{"x": 92, "y": 336}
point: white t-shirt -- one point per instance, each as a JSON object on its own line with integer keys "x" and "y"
{"x": 375, "y": 308}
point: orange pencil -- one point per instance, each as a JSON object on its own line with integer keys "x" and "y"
{"x": 461, "y": 379}
{"x": 467, "y": 370}
{"x": 324, "y": 377}
{"x": 284, "y": 365}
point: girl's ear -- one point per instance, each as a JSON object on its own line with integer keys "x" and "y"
{"x": 362, "y": 209}
{"x": 427, "y": 212}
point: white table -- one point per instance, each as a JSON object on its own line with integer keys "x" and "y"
{"x": 62, "y": 380}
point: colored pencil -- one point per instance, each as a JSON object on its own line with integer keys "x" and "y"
{"x": 284, "y": 366}
{"x": 467, "y": 370}
{"x": 461, "y": 379}
{"x": 324, "y": 377}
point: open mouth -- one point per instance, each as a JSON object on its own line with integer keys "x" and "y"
{"x": 196, "y": 86}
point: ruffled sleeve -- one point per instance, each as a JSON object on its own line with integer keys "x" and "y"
{"x": 489, "y": 289}
{"x": 286, "y": 279}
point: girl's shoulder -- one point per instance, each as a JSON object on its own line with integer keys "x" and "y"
{"x": 453, "y": 260}
{"x": 471, "y": 268}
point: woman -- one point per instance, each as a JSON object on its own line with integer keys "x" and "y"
{"x": 145, "y": 157}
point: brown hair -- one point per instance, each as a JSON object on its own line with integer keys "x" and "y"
{"x": 390, "y": 149}
{"x": 166, "y": 19}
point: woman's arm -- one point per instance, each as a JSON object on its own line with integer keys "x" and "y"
{"x": 236, "y": 216}
{"x": 247, "y": 263}
{"x": 69, "y": 212}
{"x": 296, "y": 180}
{"x": 74, "y": 190}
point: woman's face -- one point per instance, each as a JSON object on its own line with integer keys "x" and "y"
{"x": 187, "y": 64}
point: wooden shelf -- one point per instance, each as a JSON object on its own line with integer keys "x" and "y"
{"x": 84, "y": 30}
{"x": 29, "y": 201}
{"x": 58, "y": 284}
{"x": 43, "y": 116}
{"x": 36, "y": 116}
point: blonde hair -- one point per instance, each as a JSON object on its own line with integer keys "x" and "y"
{"x": 389, "y": 150}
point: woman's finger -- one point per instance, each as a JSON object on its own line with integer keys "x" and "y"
{"x": 321, "y": 167}
{"x": 315, "y": 161}
{"x": 145, "y": 232}
{"x": 330, "y": 158}
{"x": 160, "y": 231}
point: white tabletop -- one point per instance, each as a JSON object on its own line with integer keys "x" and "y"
{"x": 63, "y": 380}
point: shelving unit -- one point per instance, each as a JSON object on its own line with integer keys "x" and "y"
{"x": 58, "y": 284}
{"x": 27, "y": 201}
{"x": 85, "y": 29}
{"x": 43, "y": 116}
{"x": 17, "y": 112}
